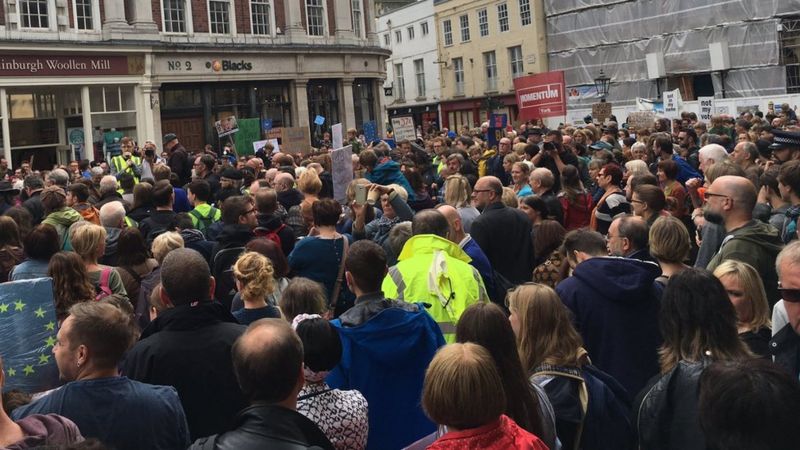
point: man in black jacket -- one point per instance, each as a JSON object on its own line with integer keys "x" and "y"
{"x": 178, "y": 158}
{"x": 268, "y": 362}
{"x": 785, "y": 343}
{"x": 270, "y": 223}
{"x": 189, "y": 346}
{"x": 503, "y": 233}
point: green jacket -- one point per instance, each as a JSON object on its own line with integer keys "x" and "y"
{"x": 205, "y": 212}
{"x": 62, "y": 220}
{"x": 757, "y": 244}
{"x": 435, "y": 271}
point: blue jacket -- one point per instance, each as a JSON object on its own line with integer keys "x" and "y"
{"x": 615, "y": 303}
{"x": 685, "y": 170}
{"x": 385, "y": 359}
{"x": 387, "y": 173}
{"x": 480, "y": 262}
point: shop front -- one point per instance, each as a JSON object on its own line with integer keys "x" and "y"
{"x": 50, "y": 103}
{"x": 472, "y": 112}
{"x": 425, "y": 116}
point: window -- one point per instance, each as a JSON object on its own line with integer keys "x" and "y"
{"x": 219, "y": 17}
{"x": 515, "y": 56}
{"x": 357, "y": 19}
{"x": 490, "y": 62}
{"x": 398, "y": 36}
{"x": 174, "y": 16}
{"x": 447, "y": 30}
{"x": 315, "y": 16}
{"x": 410, "y": 31}
{"x": 458, "y": 70}
{"x": 419, "y": 73}
{"x": 464, "y": 20}
{"x": 261, "y": 16}
{"x": 83, "y": 15}
{"x": 525, "y": 12}
{"x": 399, "y": 82}
{"x": 483, "y": 22}
{"x": 502, "y": 16}
{"x": 424, "y": 27}
{"x": 386, "y": 39}
{"x": 34, "y": 14}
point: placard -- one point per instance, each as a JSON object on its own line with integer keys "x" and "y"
{"x": 706, "y": 108}
{"x": 370, "y": 131}
{"x": 226, "y": 126}
{"x": 403, "y": 128}
{"x": 673, "y": 104}
{"x": 319, "y": 120}
{"x": 295, "y": 140}
{"x": 641, "y": 120}
{"x": 541, "y": 95}
{"x": 601, "y": 111}
{"x": 341, "y": 171}
{"x": 498, "y": 120}
{"x": 258, "y": 145}
{"x": 28, "y": 329}
{"x": 336, "y": 135}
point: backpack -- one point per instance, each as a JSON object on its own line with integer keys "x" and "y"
{"x": 204, "y": 222}
{"x": 272, "y": 235}
{"x": 103, "y": 289}
{"x": 605, "y": 407}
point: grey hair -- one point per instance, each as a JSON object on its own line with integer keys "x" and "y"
{"x": 792, "y": 255}
{"x": 112, "y": 214}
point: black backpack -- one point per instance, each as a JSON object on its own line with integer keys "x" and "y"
{"x": 204, "y": 222}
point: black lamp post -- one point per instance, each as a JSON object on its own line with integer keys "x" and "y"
{"x": 601, "y": 83}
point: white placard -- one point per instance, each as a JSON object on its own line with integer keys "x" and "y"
{"x": 336, "y": 132}
{"x": 403, "y": 128}
{"x": 706, "y": 108}
{"x": 257, "y": 145}
{"x": 341, "y": 171}
{"x": 673, "y": 104}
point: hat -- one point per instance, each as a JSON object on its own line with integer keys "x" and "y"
{"x": 785, "y": 139}
{"x": 170, "y": 137}
{"x": 232, "y": 174}
{"x": 601, "y": 145}
{"x": 52, "y": 190}
{"x": 6, "y": 187}
{"x": 763, "y": 148}
{"x": 535, "y": 130}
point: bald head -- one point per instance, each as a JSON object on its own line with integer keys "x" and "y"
{"x": 740, "y": 189}
{"x": 456, "y": 233}
{"x": 487, "y": 190}
{"x": 268, "y": 362}
{"x": 430, "y": 221}
{"x": 283, "y": 181}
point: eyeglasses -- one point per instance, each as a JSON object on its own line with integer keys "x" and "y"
{"x": 789, "y": 295}
{"x": 713, "y": 194}
{"x": 636, "y": 201}
{"x": 249, "y": 211}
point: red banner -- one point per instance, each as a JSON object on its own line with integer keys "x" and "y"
{"x": 541, "y": 95}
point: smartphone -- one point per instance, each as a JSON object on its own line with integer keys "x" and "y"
{"x": 361, "y": 194}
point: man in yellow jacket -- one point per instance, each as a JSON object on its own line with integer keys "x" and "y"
{"x": 435, "y": 271}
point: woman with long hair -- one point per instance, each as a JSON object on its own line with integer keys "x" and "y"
{"x": 142, "y": 202}
{"x": 11, "y": 252}
{"x": 746, "y": 292}
{"x": 89, "y": 242}
{"x": 71, "y": 282}
{"x": 552, "y": 354}
{"x": 520, "y": 173}
{"x": 486, "y": 324}
{"x": 576, "y": 202}
{"x": 300, "y": 217}
{"x": 254, "y": 278}
{"x": 698, "y": 325}
{"x": 458, "y": 193}
{"x": 547, "y": 239}
{"x": 133, "y": 261}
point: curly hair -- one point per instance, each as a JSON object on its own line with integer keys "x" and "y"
{"x": 255, "y": 273}
{"x": 71, "y": 284}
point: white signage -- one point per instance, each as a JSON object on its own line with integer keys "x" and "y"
{"x": 706, "y": 108}
{"x": 673, "y": 104}
{"x": 403, "y": 128}
{"x": 336, "y": 132}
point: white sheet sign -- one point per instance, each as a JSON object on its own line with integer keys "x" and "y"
{"x": 342, "y": 171}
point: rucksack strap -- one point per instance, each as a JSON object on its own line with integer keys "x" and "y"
{"x": 339, "y": 278}
{"x": 583, "y": 395}
{"x": 105, "y": 275}
{"x": 132, "y": 273}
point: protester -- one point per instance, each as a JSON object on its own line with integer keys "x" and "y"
{"x": 648, "y": 202}
{"x": 457, "y": 194}
{"x": 89, "y": 242}
{"x": 161, "y": 247}
{"x": 58, "y": 214}
{"x": 11, "y": 252}
{"x": 547, "y": 239}
{"x": 669, "y": 246}
{"x": 112, "y": 218}
{"x": 40, "y": 245}
{"x": 160, "y": 219}
{"x": 612, "y": 203}
{"x": 576, "y": 202}
{"x": 253, "y": 273}
{"x": 303, "y": 296}
{"x": 746, "y": 292}
{"x": 134, "y": 261}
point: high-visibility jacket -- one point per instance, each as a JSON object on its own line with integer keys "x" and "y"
{"x": 121, "y": 166}
{"x": 435, "y": 271}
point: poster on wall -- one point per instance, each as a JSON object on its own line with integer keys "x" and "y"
{"x": 541, "y": 95}
{"x": 403, "y": 128}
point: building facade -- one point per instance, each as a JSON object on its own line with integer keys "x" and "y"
{"x": 108, "y": 68}
{"x": 412, "y": 71}
{"x": 483, "y": 46}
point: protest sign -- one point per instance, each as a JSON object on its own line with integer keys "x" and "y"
{"x": 706, "y": 108}
{"x": 336, "y": 135}
{"x": 341, "y": 171}
{"x": 295, "y": 140}
{"x": 673, "y": 104}
{"x": 403, "y": 128}
{"x": 226, "y": 126}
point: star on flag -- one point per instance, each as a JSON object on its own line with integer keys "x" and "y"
{"x": 44, "y": 358}
{"x": 28, "y": 370}
{"x": 18, "y": 305}
{"x": 3, "y": 307}
{"x": 39, "y": 313}
{"x": 49, "y": 342}
{"x": 50, "y": 326}
{"x": 12, "y": 372}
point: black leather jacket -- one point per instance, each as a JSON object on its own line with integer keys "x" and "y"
{"x": 268, "y": 426}
{"x": 666, "y": 410}
{"x": 785, "y": 347}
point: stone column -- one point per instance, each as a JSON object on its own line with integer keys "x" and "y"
{"x": 380, "y": 118}
{"x": 299, "y": 92}
{"x": 115, "y": 16}
{"x": 6, "y": 129}
{"x": 369, "y": 22}
{"x": 344, "y": 20}
{"x": 148, "y": 118}
{"x": 88, "y": 132}
{"x": 142, "y": 19}
{"x": 294, "y": 30}
{"x": 347, "y": 101}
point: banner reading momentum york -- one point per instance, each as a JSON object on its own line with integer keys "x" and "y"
{"x": 541, "y": 95}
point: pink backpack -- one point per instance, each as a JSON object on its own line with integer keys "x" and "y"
{"x": 104, "y": 290}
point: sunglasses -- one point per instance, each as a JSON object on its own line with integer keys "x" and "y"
{"x": 789, "y": 295}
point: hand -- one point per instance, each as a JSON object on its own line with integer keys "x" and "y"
{"x": 763, "y": 195}
{"x": 693, "y": 183}
{"x": 382, "y": 189}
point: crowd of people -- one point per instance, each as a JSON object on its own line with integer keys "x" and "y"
{"x": 583, "y": 287}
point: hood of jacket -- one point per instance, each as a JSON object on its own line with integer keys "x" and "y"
{"x": 618, "y": 279}
{"x": 64, "y": 217}
{"x": 427, "y": 243}
{"x": 235, "y": 234}
{"x": 190, "y": 235}
{"x": 290, "y": 197}
{"x": 269, "y": 221}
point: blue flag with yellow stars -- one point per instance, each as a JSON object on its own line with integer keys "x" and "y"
{"x": 28, "y": 331}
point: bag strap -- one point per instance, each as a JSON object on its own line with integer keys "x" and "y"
{"x": 313, "y": 394}
{"x": 339, "y": 278}
{"x": 132, "y": 273}
{"x": 583, "y": 395}
{"x": 105, "y": 275}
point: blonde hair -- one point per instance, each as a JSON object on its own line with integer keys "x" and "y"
{"x": 462, "y": 387}
{"x": 309, "y": 182}
{"x": 519, "y": 148}
{"x": 669, "y": 240}
{"x": 86, "y": 239}
{"x": 457, "y": 191}
{"x": 753, "y": 289}
{"x": 350, "y": 194}
{"x": 165, "y": 243}
{"x": 546, "y": 334}
{"x": 511, "y": 158}
{"x": 509, "y": 198}
{"x": 636, "y": 167}
{"x": 401, "y": 191}
{"x": 256, "y": 274}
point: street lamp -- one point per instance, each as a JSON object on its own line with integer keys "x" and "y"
{"x": 601, "y": 83}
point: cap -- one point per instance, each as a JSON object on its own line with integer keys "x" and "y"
{"x": 232, "y": 174}
{"x": 170, "y": 137}
{"x": 6, "y": 187}
{"x": 601, "y": 145}
{"x": 785, "y": 139}
{"x": 535, "y": 130}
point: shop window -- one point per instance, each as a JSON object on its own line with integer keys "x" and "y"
{"x": 322, "y": 101}
{"x": 112, "y": 99}
{"x": 34, "y": 13}
{"x": 33, "y": 119}
{"x": 180, "y": 99}
{"x": 363, "y": 101}
{"x": 261, "y": 16}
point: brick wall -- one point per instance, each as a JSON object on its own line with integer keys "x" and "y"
{"x": 156, "y": 6}
{"x": 200, "y": 16}
{"x": 331, "y": 17}
{"x": 242, "y": 17}
{"x": 280, "y": 15}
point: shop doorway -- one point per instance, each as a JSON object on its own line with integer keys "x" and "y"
{"x": 189, "y": 131}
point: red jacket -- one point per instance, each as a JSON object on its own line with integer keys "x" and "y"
{"x": 578, "y": 214}
{"x": 503, "y": 434}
